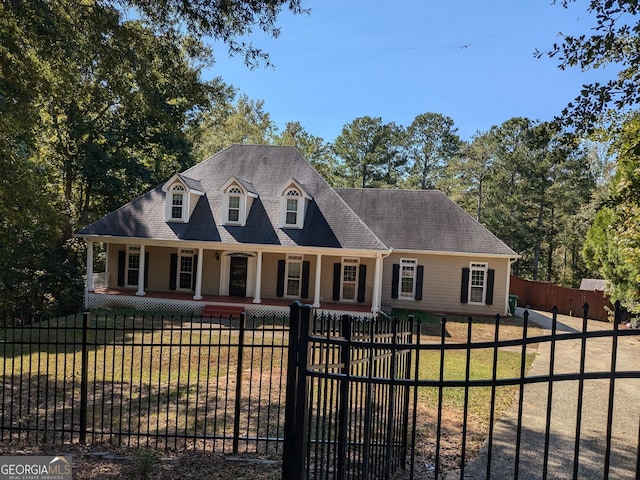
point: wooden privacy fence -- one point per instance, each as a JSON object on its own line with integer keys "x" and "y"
{"x": 569, "y": 301}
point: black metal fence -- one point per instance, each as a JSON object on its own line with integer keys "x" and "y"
{"x": 348, "y": 417}
{"x": 371, "y": 398}
{"x": 336, "y": 398}
{"x": 146, "y": 381}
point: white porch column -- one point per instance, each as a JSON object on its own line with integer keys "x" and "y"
{"x": 89, "y": 284}
{"x": 198, "y": 293}
{"x": 316, "y": 290}
{"x": 258, "y": 288}
{"x": 376, "y": 301}
{"x": 141, "y": 268}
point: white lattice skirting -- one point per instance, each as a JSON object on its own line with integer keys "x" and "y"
{"x": 183, "y": 307}
{"x": 189, "y": 307}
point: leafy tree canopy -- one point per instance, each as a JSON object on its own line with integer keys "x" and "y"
{"x": 613, "y": 241}
{"x": 315, "y": 149}
{"x": 96, "y": 97}
{"x": 614, "y": 43}
{"x": 241, "y": 121}
{"x": 431, "y": 143}
{"x": 367, "y": 147}
{"x": 228, "y": 20}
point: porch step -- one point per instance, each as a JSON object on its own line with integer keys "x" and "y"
{"x": 222, "y": 311}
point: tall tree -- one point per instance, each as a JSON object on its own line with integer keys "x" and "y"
{"x": 93, "y": 110}
{"x": 228, "y": 123}
{"x": 471, "y": 169}
{"x": 365, "y": 147}
{"x": 431, "y": 143}
{"x": 395, "y": 155}
{"x": 231, "y": 21}
{"x": 315, "y": 149}
{"x": 524, "y": 191}
{"x": 613, "y": 241}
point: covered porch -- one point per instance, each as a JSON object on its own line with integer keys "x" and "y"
{"x": 184, "y": 304}
{"x": 163, "y": 276}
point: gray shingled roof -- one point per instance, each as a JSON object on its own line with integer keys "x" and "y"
{"x": 192, "y": 183}
{"x": 246, "y": 185}
{"x": 422, "y": 220}
{"x": 264, "y": 170}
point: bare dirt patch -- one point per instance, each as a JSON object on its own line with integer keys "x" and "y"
{"x": 109, "y": 462}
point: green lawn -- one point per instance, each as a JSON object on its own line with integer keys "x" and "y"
{"x": 160, "y": 375}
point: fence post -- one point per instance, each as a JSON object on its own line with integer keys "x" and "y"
{"x": 343, "y": 409}
{"x": 239, "y": 367}
{"x": 84, "y": 378}
{"x": 392, "y": 396}
{"x": 302, "y": 394}
{"x": 406, "y": 402}
{"x": 295, "y": 420}
{"x": 617, "y": 319}
{"x": 617, "y": 315}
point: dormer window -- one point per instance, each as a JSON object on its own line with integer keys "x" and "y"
{"x": 177, "y": 202}
{"x": 182, "y": 195}
{"x": 238, "y": 198}
{"x": 293, "y": 205}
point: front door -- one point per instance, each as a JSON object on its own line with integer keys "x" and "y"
{"x": 238, "y": 277}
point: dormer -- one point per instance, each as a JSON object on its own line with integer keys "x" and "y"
{"x": 293, "y": 204}
{"x": 238, "y": 198}
{"x": 182, "y": 195}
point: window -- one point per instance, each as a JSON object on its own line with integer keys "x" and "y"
{"x": 407, "y": 287}
{"x": 477, "y": 282}
{"x": 293, "y": 204}
{"x": 238, "y": 199}
{"x": 233, "y": 213}
{"x": 181, "y": 197}
{"x": 133, "y": 265}
{"x": 177, "y": 202}
{"x": 349, "y": 278}
{"x": 291, "y": 212}
{"x": 185, "y": 269}
{"x": 294, "y": 276}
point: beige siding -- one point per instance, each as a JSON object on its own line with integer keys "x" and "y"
{"x": 210, "y": 273}
{"x": 159, "y": 262}
{"x": 326, "y": 285}
{"x": 270, "y": 274}
{"x": 112, "y": 263}
{"x": 442, "y": 282}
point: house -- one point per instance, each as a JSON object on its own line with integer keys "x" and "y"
{"x": 257, "y": 226}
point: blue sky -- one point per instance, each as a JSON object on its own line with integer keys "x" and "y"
{"x": 470, "y": 60}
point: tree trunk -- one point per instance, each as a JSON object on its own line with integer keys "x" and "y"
{"x": 536, "y": 257}
{"x": 551, "y": 242}
{"x": 479, "y": 209}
